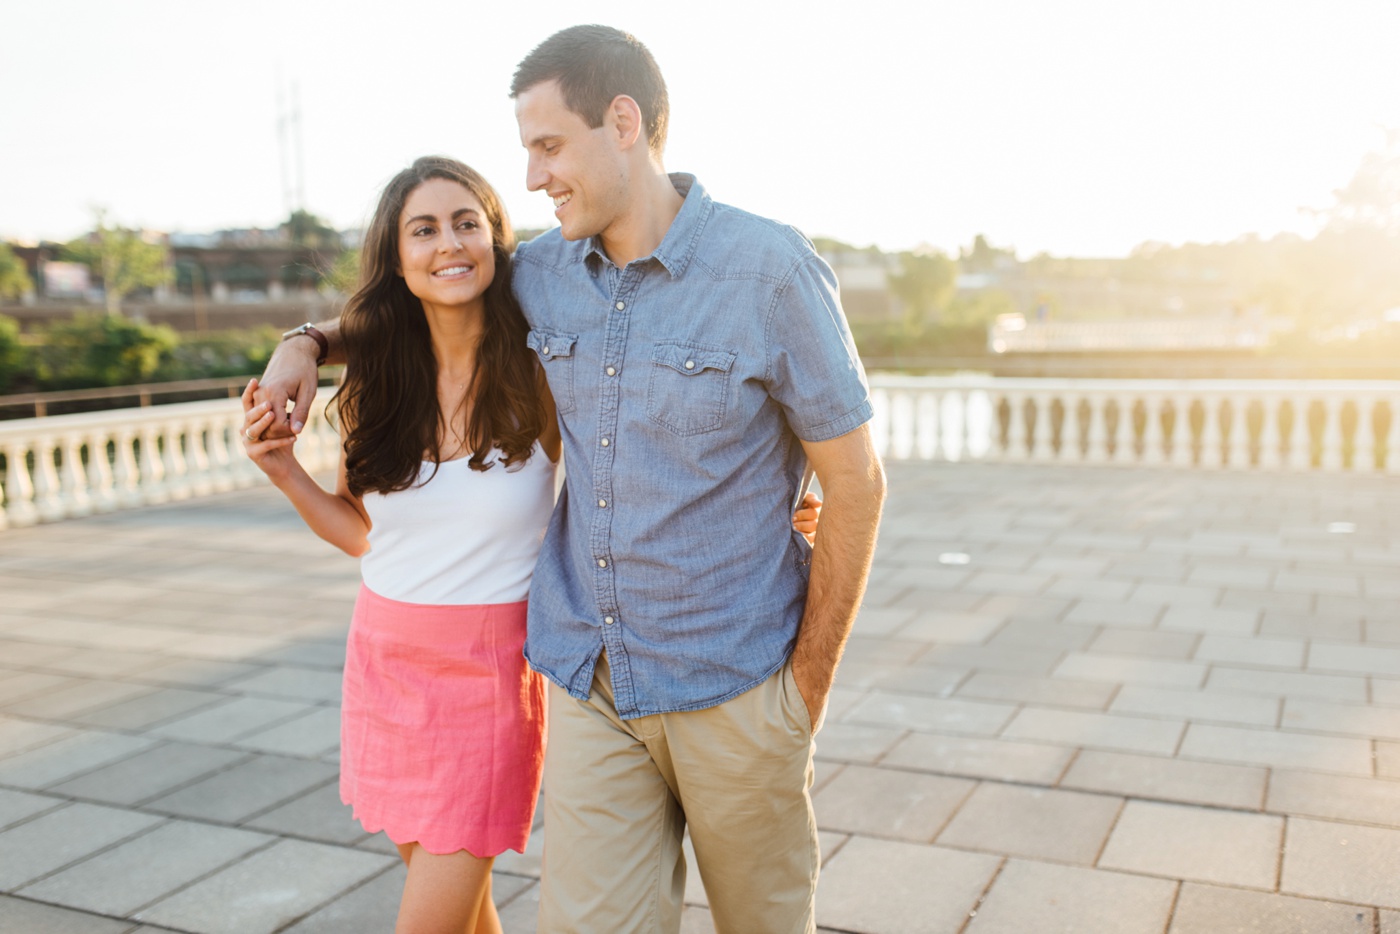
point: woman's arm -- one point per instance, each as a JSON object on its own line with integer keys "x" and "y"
{"x": 338, "y": 517}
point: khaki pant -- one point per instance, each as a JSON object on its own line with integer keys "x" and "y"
{"x": 619, "y": 794}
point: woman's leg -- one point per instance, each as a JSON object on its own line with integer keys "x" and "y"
{"x": 448, "y": 894}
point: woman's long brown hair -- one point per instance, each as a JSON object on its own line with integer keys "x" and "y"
{"x": 389, "y": 399}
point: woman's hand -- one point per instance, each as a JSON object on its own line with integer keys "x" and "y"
{"x": 807, "y": 516}
{"x": 272, "y": 455}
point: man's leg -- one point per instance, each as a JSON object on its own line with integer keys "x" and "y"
{"x": 744, "y": 774}
{"x": 612, "y": 827}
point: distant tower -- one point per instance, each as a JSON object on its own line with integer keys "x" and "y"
{"x": 289, "y": 144}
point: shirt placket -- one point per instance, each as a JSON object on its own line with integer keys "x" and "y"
{"x": 622, "y": 287}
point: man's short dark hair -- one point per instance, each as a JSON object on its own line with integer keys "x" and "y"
{"x": 593, "y": 65}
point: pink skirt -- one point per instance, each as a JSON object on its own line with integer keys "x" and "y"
{"x": 442, "y": 725}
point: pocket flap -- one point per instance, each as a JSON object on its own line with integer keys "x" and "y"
{"x": 551, "y": 343}
{"x": 690, "y": 359}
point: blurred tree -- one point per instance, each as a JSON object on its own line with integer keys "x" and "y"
{"x": 102, "y": 350}
{"x": 306, "y": 229}
{"x": 124, "y": 259}
{"x": 12, "y": 353}
{"x": 924, "y": 285}
{"x": 14, "y": 278}
{"x": 1372, "y": 198}
{"x": 982, "y": 257}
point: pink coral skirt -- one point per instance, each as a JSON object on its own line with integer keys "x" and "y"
{"x": 442, "y": 725}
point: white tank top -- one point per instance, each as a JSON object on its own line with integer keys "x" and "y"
{"x": 464, "y": 537}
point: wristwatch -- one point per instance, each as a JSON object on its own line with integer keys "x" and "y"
{"x": 310, "y": 331}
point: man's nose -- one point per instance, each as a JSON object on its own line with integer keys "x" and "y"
{"x": 535, "y": 175}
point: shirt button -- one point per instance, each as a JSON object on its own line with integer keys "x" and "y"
{"x": 602, "y": 504}
{"x": 611, "y": 371}
{"x": 602, "y": 563}
{"x": 690, "y": 364}
{"x": 608, "y": 620}
{"x": 621, "y": 306}
{"x": 604, "y": 442}
{"x": 546, "y": 351}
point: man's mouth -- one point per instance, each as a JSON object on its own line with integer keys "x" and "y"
{"x": 561, "y": 200}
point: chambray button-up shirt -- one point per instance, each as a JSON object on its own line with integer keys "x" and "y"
{"x": 683, "y": 383}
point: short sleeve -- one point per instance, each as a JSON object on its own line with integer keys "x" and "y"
{"x": 814, "y": 371}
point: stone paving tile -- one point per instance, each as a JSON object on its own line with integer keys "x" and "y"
{"x": 901, "y": 888}
{"x": 150, "y": 773}
{"x": 148, "y": 709}
{"x": 889, "y": 803}
{"x": 1124, "y": 668}
{"x": 245, "y": 789}
{"x": 1385, "y": 692}
{"x": 373, "y": 907}
{"x": 1288, "y": 625}
{"x": 1207, "y": 783}
{"x": 1205, "y": 845}
{"x": 16, "y": 806}
{"x": 951, "y": 628}
{"x": 63, "y": 703}
{"x": 1207, "y": 619}
{"x": 1052, "y": 692}
{"x": 1278, "y": 749}
{"x": 18, "y": 735}
{"x": 1196, "y": 706}
{"x": 197, "y": 673}
{"x": 1253, "y": 651}
{"x": 1255, "y": 575}
{"x": 1050, "y": 899}
{"x": 1287, "y": 683}
{"x": 912, "y": 679}
{"x": 1345, "y": 719}
{"x": 53, "y": 840}
{"x": 1020, "y": 633}
{"x": 1114, "y": 613}
{"x": 520, "y": 915}
{"x": 1032, "y": 661}
{"x": 1365, "y": 659}
{"x": 849, "y": 742}
{"x": 1390, "y": 922}
{"x": 106, "y": 663}
{"x": 1387, "y": 759}
{"x": 237, "y": 717}
{"x": 1373, "y": 610}
{"x": 1341, "y": 862}
{"x": 1210, "y": 909}
{"x": 1026, "y": 608}
{"x": 1254, "y": 600}
{"x": 317, "y": 814}
{"x": 1154, "y": 643}
{"x": 18, "y": 916}
{"x": 168, "y": 857}
{"x": 1099, "y": 730}
{"x": 67, "y": 757}
{"x": 268, "y": 889}
{"x": 916, "y": 712}
{"x": 1065, "y": 826}
{"x": 1181, "y": 598}
{"x": 314, "y": 734}
{"x": 1090, "y": 589}
{"x": 979, "y": 758}
{"x": 23, "y": 685}
{"x": 1338, "y": 797}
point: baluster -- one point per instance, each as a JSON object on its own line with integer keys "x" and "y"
{"x": 1042, "y": 446}
{"x": 927, "y": 425}
{"x": 1331, "y": 433}
{"x": 99, "y": 471}
{"x": 1299, "y": 449}
{"x": 151, "y": 468}
{"x": 1017, "y": 447}
{"x": 73, "y": 480}
{"x": 197, "y": 457}
{"x": 1073, "y": 431}
{"x": 1392, "y": 437}
{"x": 221, "y": 477}
{"x": 1183, "y": 438}
{"x": 954, "y": 429}
{"x": 1153, "y": 438}
{"x": 1270, "y": 436}
{"x": 1097, "y": 452}
{"x": 880, "y": 421}
{"x": 1212, "y": 450}
{"x": 177, "y": 474}
{"x": 1363, "y": 448}
{"x": 19, "y": 487}
{"x": 1239, "y": 433}
{"x": 126, "y": 475}
{"x": 901, "y": 425}
{"x": 48, "y": 492}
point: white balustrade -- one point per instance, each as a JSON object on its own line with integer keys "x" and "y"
{"x": 71, "y": 465}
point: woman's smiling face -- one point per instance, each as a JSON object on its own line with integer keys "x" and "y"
{"x": 445, "y": 254}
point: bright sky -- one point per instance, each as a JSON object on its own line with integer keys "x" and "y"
{"x": 1075, "y": 127}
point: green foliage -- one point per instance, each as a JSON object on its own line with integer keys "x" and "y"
{"x": 123, "y": 258}
{"x": 977, "y": 309}
{"x": 306, "y": 229}
{"x": 102, "y": 350}
{"x": 221, "y": 353}
{"x": 13, "y": 355}
{"x": 924, "y": 285}
{"x": 14, "y": 278}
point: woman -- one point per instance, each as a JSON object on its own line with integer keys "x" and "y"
{"x": 445, "y": 486}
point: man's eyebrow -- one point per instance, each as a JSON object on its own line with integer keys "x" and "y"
{"x": 541, "y": 140}
{"x": 433, "y": 217}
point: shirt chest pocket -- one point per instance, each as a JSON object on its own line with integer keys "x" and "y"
{"x": 556, "y": 351}
{"x": 689, "y": 387}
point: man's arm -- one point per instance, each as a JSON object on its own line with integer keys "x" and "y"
{"x": 853, "y": 484}
{"x": 291, "y": 375}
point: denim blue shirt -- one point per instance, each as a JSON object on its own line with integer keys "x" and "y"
{"x": 683, "y": 383}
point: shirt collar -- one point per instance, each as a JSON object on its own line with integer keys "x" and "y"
{"x": 678, "y": 246}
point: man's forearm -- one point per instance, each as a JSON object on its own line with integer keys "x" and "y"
{"x": 335, "y": 350}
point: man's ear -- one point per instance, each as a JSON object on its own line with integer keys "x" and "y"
{"x": 624, "y": 118}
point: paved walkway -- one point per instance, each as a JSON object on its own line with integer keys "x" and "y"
{"x": 1146, "y": 702}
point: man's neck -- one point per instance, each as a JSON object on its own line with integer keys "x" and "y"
{"x": 640, "y": 230}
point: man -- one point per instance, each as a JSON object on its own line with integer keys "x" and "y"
{"x": 698, "y": 356}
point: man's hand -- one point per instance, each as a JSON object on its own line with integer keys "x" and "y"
{"x": 290, "y": 375}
